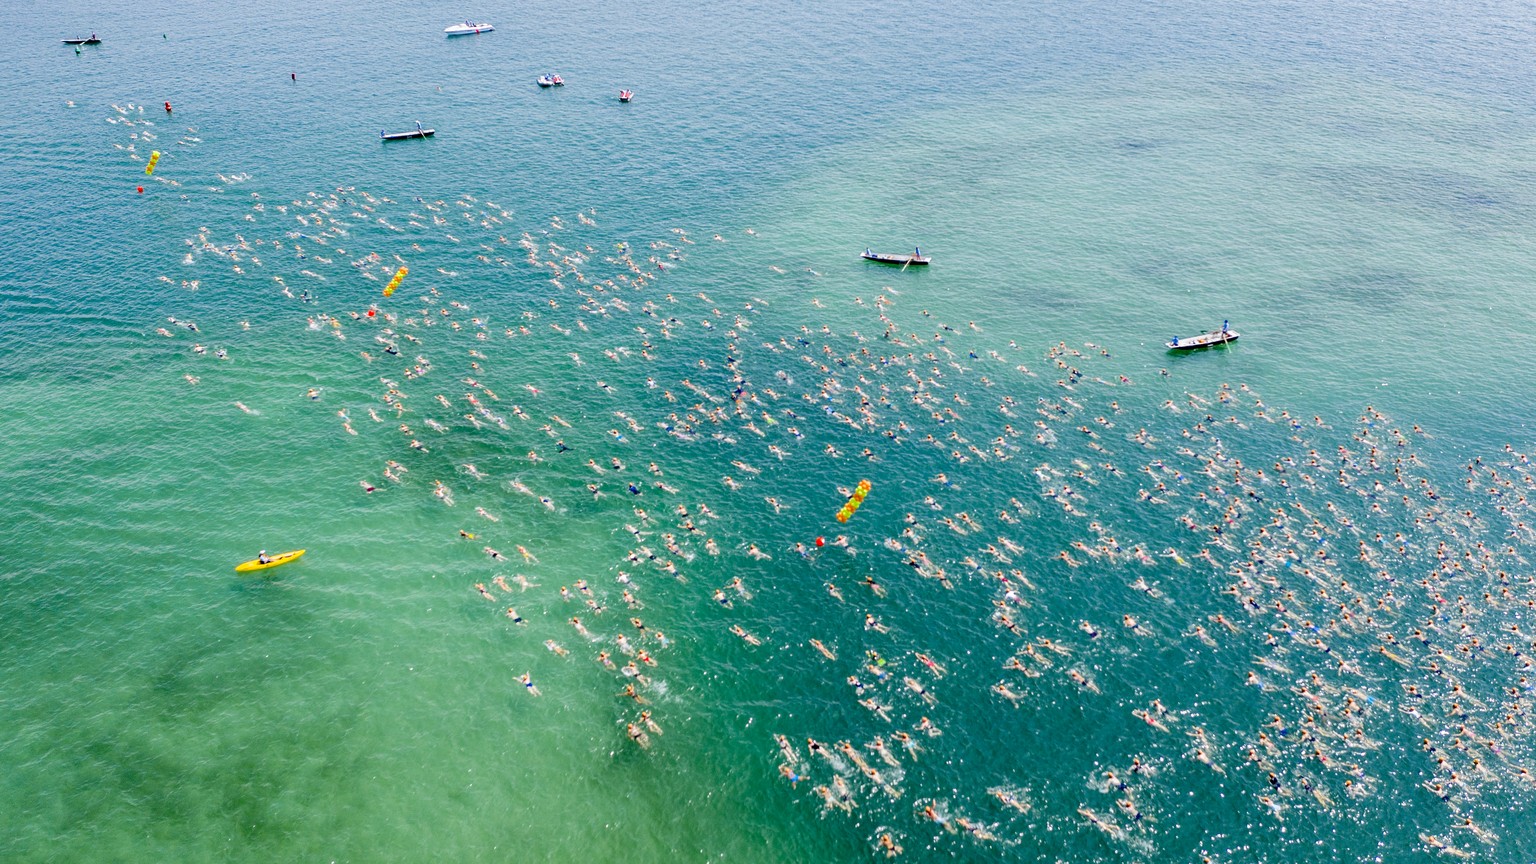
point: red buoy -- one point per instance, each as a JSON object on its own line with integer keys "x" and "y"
{"x": 141, "y": 190}
{"x": 820, "y": 542}
{"x": 167, "y": 107}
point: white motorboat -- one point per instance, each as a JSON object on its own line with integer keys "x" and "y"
{"x": 467, "y": 28}
{"x": 550, "y": 81}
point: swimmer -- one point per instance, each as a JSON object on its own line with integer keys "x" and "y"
{"x": 1003, "y": 690}
{"x": 933, "y": 667}
{"x": 882, "y": 711}
{"x": 917, "y": 687}
{"x": 1009, "y": 799}
{"x": 884, "y": 752}
{"x": 1150, "y": 719}
{"x": 1082, "y": 680}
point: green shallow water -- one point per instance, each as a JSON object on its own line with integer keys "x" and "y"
{"x": 1115, "y": 176}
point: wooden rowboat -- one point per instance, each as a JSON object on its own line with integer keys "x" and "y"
{"x": 1204, "y": 340}
{"x": 418, "y": 132}
{"x": 916, "y": 258}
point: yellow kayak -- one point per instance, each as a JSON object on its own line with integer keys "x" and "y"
{"x": 272, "y": 561}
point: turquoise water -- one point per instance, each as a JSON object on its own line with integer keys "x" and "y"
{"x": 1347, "y": 184}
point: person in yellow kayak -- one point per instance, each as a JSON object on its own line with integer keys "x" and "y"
{"x": 262, "y": 561}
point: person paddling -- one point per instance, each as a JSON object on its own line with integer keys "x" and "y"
{"x": 263, "y": 558}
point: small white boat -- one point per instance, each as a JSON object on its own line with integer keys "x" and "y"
{"x": 626, "y": 95}
{"x": 1204, "y": 340}
{"x": 550, "y": 81}
{"x": 467, "y": 28}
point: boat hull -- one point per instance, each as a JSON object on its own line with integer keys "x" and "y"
{"x": 81, "y": 41}
{"x": 467, "y": 30}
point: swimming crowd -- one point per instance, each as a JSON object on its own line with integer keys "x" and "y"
{"x": 1368, "y": 600}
